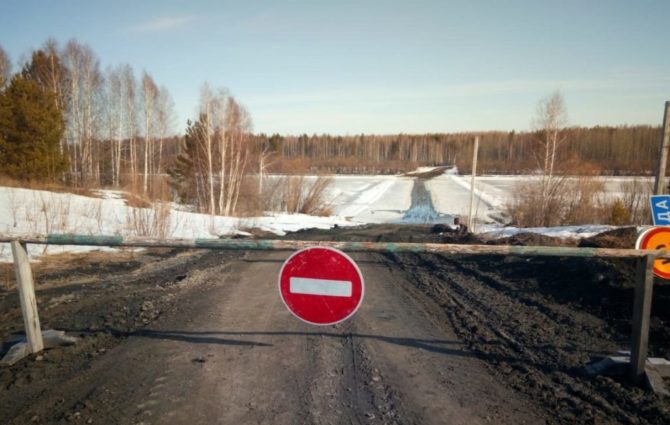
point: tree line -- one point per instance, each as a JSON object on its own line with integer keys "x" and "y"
{"x": 63, "y": 119}
{"x": 610, "y": 150}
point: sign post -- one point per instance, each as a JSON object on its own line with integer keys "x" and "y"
{"x": 26, "y": 286}
{"x": 644, "y": 285}
{"x": 321, "y": 285}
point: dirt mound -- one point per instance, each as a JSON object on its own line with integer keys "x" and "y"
{"x": 419, "y": 233}
{"x": 624, "y": 237}
{"x": 532, "y": 239}
{"x": 441, "y": 233}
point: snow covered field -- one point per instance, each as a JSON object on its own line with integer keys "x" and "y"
{"x": 25, "y": 212}
{"x": 354, "y": 200}
{"x": 371, "y": 199}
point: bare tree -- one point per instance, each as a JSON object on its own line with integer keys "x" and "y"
{"x": 217, "y": 147}
{"x": 263, "y": 155}
{"x": 164, "y": 121}
{"x": 208, "y": 105}
{"x": 549, "y": 121}
{"x": 114, "y": 113}
{"x": 238, "y": 127}
{"x": 83, "y": 109}
{"x": 129, "y": 91}
{"x": 56, "y": 77}
{"x": 149, "y": 94}
{"x": 5, "y": 68}
{"x": 222, "y": 138}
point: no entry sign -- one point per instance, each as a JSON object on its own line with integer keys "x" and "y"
{"x": 321, "y": 285}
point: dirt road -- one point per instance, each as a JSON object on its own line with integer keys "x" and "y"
{"x": 203, "y": 338}
{"x": 231, "y": 353}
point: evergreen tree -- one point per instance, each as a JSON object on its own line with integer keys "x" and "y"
{"x": 184, "y": 172}
{"x": 31, "y": 127}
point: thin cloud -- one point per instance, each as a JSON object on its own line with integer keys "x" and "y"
{"x": 164, "y": 23}
{"x": 446, "y": 91}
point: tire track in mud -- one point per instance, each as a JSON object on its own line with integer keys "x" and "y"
{"x": 537, "y": 345}
{"x": 416, "y": 353}
{"x": 298, "y": 375}
{"x": 107, "y": 307}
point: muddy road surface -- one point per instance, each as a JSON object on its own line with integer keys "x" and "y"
{"x": 204, "y": 338}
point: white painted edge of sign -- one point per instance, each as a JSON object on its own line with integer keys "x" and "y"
{"x": 641, "y": 236}
{"x": 358, "y": 270}
{"x": 321, "y": 287}
{"x": 638, "y": 243}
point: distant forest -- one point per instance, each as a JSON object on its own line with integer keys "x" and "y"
{"x": 65, "y": 120}
{"x": 621, "y": 150}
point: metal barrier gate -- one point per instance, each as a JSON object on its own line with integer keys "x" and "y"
{"x": 643, "y": 281}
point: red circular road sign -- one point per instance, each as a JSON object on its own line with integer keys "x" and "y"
{"x": 321, "y": 285}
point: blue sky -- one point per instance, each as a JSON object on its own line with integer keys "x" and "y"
{"x": 348, "y": 67}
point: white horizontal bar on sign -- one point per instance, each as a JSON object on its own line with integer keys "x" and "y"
{"x": 324, "y": 287}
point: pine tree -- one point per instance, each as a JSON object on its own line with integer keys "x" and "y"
{"x": 184, "y": 172}
{"x": 31, "y": 127}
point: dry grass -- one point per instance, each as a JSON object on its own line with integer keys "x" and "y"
{"x": 135, "y": 201}
{"x": 50, "y": 187}
{"x": 578, "y": 201}
{"x": 298, "y": 194}
{"x": 636, "y": 200}
{"x": 584, "y": 202}
{"x": 53, "y": 263}
{"x": 158, "y": 190}
{"x": 568, "y": 202}
{"x": 152, "y": 222}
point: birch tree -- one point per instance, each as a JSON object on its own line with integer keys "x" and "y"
{"x": 263, "y": 156}
{"x": 114, "y": 112}
{"x": 5, "y": 68}
{"x": 213, "y": 162}
{"x": 83, "y": 109}
{"x": 238, "y": 127}
{"x": 164, "y": 121}
{"x": 129, "y": 97}
{"x": 149, "y": 93}
{"x": 549, "y": 121}
{"x": 207, "y": 112}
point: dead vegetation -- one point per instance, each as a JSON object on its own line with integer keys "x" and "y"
{"x": 154, "y": 221}
{"x": 579, "y": 200}
{"x": 298, "y": 194}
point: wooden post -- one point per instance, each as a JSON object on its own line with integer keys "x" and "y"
{"x": 472, "y": 183}
{"x": 644, "y": 284}
{"x": 659, "y": 184}
{"x": 24, "y": 282}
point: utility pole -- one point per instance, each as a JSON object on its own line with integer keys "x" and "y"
{"x": 472, "y": 183}
{"x": 659, "y": 184}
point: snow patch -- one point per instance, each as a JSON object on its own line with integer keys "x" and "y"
{"x": 563, "y": 232}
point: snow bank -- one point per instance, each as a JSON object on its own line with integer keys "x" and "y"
{"x": 562, "y": 232}
{"x": 26, "y": 212}
{"x": 354, "y": 200}
{"x": 370, "y": 199}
